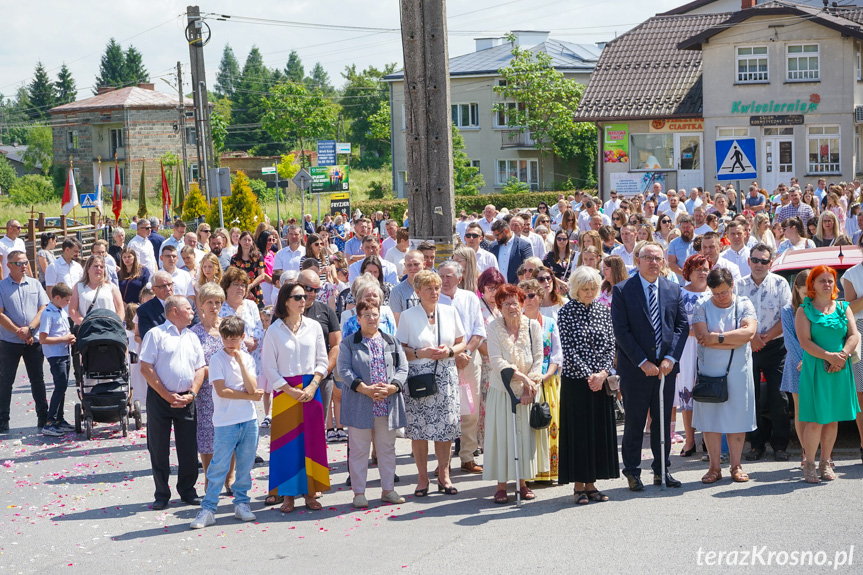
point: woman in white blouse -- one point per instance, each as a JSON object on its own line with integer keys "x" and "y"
{"x": 94, "y": 291}
{"x": 294, "y": 361}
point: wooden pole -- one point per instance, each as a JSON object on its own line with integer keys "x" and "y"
{"x": 428, "y": 123}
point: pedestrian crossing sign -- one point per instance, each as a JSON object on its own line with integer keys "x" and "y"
{"x": 735, "y": 159}
{"x": 88, "y": 200}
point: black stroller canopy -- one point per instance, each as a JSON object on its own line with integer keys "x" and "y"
{"x": 101, "y": 326}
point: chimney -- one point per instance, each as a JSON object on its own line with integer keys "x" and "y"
{"x": 747, "y": 4}
{"x": 529, "y": 38}
{"x": 486, "y": 43}
{"x": 146, "y": 86}
{"x": 104, "y": 90}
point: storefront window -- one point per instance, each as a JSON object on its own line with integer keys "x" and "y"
{"x": 823, "y": 149}
{"x": 651, "y": 152}
{"x": 729, "y": 133}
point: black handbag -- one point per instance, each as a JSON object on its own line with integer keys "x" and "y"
{"x": 540, "y": 411}
{"x": 425, "y": 384}
{"x": 713, "y": 388}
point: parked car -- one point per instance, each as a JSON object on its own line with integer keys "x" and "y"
{"x": 839, "y": 258}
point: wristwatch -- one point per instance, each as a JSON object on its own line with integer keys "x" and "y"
{"x": 193, "y": 394}
{"x": 451, "y": 352}
{"x": 468, "y": 352}
{"x": 721, "y": 338}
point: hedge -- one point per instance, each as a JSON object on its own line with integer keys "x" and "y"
{"x": 469, "y": 204}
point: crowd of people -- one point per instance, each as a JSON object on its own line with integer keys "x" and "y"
{"x": 350, "y": 330}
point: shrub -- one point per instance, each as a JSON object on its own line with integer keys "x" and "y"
{"x": 7, "y": 175}
{"x": 195, "y": 205}
{"x": 515, "y": 186}
{"x": 379, "y": 190}
{"x": 241, "y": 209}
{"x": 31, "y": 189}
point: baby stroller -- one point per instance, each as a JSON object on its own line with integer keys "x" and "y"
{"x": 101, "y": 374}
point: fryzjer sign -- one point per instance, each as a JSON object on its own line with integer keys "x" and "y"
{"x": 777, "y": 107}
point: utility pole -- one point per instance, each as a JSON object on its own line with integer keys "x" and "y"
{"x": 195, "y": 30}
{"x": 429, "y": 133}
{"x": 182, "y": 109}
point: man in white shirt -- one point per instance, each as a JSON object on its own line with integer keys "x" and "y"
{"x": 288, "y": 258}
{"x": 587, "y": 213}
{"x": 613, "y": 203}
{"x": 737, "y": 253}
{"x": 65, "y": 269}
{"x": 176, "y": 238}
{"x": 469, "y": 366}
{"x": 191, "y": 239}
{"x": 663, "y": 205}
{"x": 371, "y": 247}
{"x": 516, "y": 224}
{"x": 396, "y": 254}
{"x": 649, "y": 208}
{"x": 624, "y": 250}
{"x": 390, "y": 241}
{"x": 700, "y": 217}
{"x": 12, "y": 243}
{"x": 673, "y": 208}
{"x": 143, "y": 247}
{"x": 183, "y": 282}
{"x": 710, "y": 247}
{"x": 473, "y": 239}
{"x": 693, "y": 202}
{"x": 489, "y": 217}
{"x": 460, "y": 225}
{"x": 172, "y": 363}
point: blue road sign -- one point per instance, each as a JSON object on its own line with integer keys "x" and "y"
{"x": 88, "y": 201}
{"x": 735, "y": 159}
{"x": 326, "y": 152}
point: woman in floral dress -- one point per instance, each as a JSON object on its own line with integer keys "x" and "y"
{"x": 248, "y": 259}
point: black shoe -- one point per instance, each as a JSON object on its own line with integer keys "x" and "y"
{"x": 688, "y": 452}
{"x": 192, "y": 500}
{"x": 396, "y": 479}
{"x": 669, "y": 480}
{"x": 754, "y": 454}
{"x": 861, "y": 449}
{"x": 348, "y": 482}
{"x": 4, "y": 428}
{"x": 159, "y": 504}
{"x": 259, "y": 460}
{"x": 780, "y": 455}
{"x": 41, "y": 422}
{"x": 200, "y": 465}
{"x": 635, "y": 483}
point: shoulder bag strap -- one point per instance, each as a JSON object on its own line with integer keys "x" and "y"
{"x": 437, "y": 324}
{"x": 731, "y": 357}
{"x": 92, "y": 303}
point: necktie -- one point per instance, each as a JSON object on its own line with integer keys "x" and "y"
{"x": 653, "y": 307}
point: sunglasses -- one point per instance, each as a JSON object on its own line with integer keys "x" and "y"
{"x": 759, "y": 261}
{"x": 544, "y": 279}
{"x": 19, "y": 264}
{"x": 530, "y": 295}
{"x": 561, "y": 238}
{"x": 299, "y": 297}
{"x": 471, "y": 236}
{"x": 311, "y": 289}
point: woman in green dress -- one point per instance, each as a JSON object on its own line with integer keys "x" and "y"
{"x": 828, "y": 335}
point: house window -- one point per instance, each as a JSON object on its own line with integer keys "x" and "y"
{"x": 526, "y": 171}
{"x": 72, "y": 141}
{"x": 116, "y": 141}
{"x": 651, "y": 151}
{"x": 193, "y": 172}
{"x": 110, "y": 183}
{"x": 802, "y": 62}
{"x": 502, "y": 118}
{"x": 859, "y": 62}
{"x": 404, "y": 118}
{"x": 858, "y": 153}
{"x": 752, "y": 64}
{"x": 730, "y": 133}
{"x": 824, "y": 151}
{"x": 191, "y": 136}
{"x": 465, "y": 115}
{"x": 474, "y": 164}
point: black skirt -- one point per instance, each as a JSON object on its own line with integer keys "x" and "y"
{"x": 588, "y": 434}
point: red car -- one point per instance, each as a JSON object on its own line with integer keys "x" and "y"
{"x": 839, "y": 258}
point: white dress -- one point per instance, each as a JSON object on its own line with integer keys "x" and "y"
{"x": 686, "y": 376}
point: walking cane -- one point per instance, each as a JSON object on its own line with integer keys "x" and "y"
{"x": 506, "y": 376}
{"x": 662, "y": 425}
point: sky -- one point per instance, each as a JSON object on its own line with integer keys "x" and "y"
{"x": 76, "y": 33}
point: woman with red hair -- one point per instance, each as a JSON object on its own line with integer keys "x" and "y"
{"x": 828, "y": 335}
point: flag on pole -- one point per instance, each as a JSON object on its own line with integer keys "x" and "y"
{"x": 117, "y": 198}
{"x": 142, "y": 198}
{"x": 70, "y": 193}
{"x": 179, "y": 194}
{"x": 166, "y": 197}
{"x": 98, "y": 202}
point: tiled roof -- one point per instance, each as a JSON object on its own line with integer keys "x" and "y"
{"x": 565, "y": 56}
{"x": 643, "y": 74}
{"x": 131, "y": 97}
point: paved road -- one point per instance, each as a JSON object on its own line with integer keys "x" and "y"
{"x": 83, "y": 506}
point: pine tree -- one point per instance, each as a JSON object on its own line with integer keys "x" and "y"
{"x": 241, "y": 209}
{"x": 294, "y": 68}
{"x": 246, "y": 103}
{"x": 134, "y": 71}
{"x": 42, "y": 94}
{"x": 320, "y": 80}
{"x": 228, "y": 74}
{"x": 65, "y": 85}
{"x": 112, "y": 67}
{"x": 195, "y": 205}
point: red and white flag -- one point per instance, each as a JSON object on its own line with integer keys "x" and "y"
{"x": 117, "y": 198}
{"x": 70, "y": 193}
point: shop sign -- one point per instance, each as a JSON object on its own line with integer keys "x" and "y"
{"x": 615, "y": 147}
{"x": 777, "y": 107}
{"x": 792, "y": 120}
{"x": 630, "y": 184}
{"x": 682, "y": 125}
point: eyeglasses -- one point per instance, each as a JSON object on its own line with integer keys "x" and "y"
{"x": 299, "y": 297}
{"x": 759, "y": 261}
{"x": 164, "y": 286}
{"x": 650, "y": 259}
{"x": 530, "y": 295}
{"x": 544, "y": 279}
{"x": 370, "y": 316}
{"x": 239, "y": 285}
{"x": 312, "y": 289}
{"x": 471, "y": 236}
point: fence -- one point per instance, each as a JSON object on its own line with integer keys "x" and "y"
{"x": 86, "y": 234}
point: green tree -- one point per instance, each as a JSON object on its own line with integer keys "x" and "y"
{"x": 366, "y": 94}
{"x": 195, "y": 205}
{"x": 40, "y": 149}
{"x": 288, "y": 167}
{"x": 7, "y": 175}
{"x": 294, "y": 68}
{"x": 65, "y": 86}
{"x": 295, "y": 115}
{"x": 112, "y": 68}
{"x": 240, "y": 209}
{"x": 16, "y": 117}
{"x": 218, "y": 130}
{"x": 228, "y": 74}
{"x": 134, "y": 71}
{"x": 466, "y": 179}
{"x": 320, "y": 80}
{"x": 31, "y": 189}
{"x": 246, "y": 103}
{"x": 42, "y": 94}
{"x": 546, "y": 109}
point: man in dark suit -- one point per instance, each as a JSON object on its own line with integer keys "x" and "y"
{"x": 510, "y": 251}
{"x": 152, "y": 313}
{"x": 651, "y": 327}
{"x": 155, "y": 237}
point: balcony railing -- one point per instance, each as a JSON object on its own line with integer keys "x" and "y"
{"x": 516, "y": 139}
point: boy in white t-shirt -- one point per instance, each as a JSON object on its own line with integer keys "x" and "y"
{"x": 235, "y": 423}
